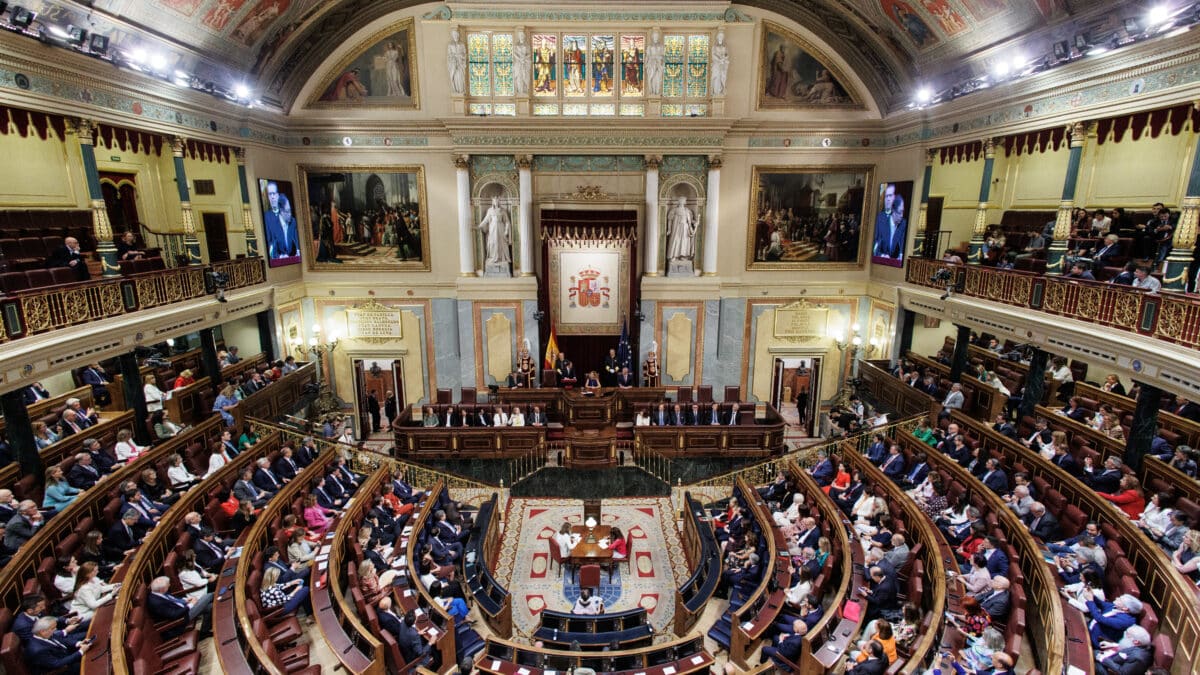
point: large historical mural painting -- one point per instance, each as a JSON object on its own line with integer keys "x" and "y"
{"x": 365, "y": 216}
{"x": 791, "y": 77}
{"x": 806, "y": 218}
{"x": 382, "y": 73}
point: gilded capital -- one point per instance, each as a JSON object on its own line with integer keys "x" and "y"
{"x": 462, "y": 162}
{"x": 930, "y": 155}
{"x": 524, "y": 162}
{"x": 85, "y": 129}
{"x": 714, "y": 162}
{"x": 1078, "y": 134}
{"x": 989, "y": 148}
{"x": 178, "y": 143}
{"x": 240, "y": 154}
{"x": 653, "y": 161}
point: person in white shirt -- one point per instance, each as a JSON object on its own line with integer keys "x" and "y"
{"x": 642, "y": 419}
{"x": 90, "y": 592}
{"x": 178, "y": 474}
{"x": 564, "y": 540}
{"x": 1143, "y": 280}
{"x": 995, "y": 381}
{"x": 500, "y": 419}
{"x": 516, "y": 419}
{"x": 154, "y": 395}
{"x": 64, "y": 576}
{"x": 1100, "y": 222}
{"x": 1060, "y": 372}
{"x": 216, "y": 460}
{"x": 588, "y": 604}
{"x": 125, "y": 448}
{"x": 193, "y": 578}
{"x": 1156, "y": 517}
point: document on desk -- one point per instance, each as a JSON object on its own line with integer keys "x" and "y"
{"x": 697, "y": 660}
{"x": 522, "y": 671}
{"x": 669, "y": 670}
{"x": 495, "y": 665}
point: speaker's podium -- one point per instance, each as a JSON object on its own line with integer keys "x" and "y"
{"x": 591, "y": 447}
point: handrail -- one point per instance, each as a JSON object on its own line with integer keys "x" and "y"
{"x": 741, "y": 638}
{"x": 345, "y": 617}
{"x": 1166, "y": 419}
{"x": 445, "y": 641}
{"x": 69, "y": 445}
{"x": 1175, "y": 595}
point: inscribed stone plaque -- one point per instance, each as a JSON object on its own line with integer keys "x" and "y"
{"x": 801, "y": 319}
{"x": 373, "y": 321}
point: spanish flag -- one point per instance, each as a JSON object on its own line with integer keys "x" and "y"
{"x": 551, "y": 349}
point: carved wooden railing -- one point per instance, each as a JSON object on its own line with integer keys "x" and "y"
{"x": 43, "y": 310}
{"x": 1167, "y": 316}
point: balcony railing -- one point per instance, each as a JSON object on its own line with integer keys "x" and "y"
{"x": 1168, "y": 316}
{"x": 38, "y": 311}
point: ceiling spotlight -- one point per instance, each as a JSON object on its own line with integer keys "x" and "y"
{"x": 138, "y": 55}
{"x": 1000, "y": 69}
{"x": 1158, "y": 16}
{"x": 21, "y": 17}
{"x": 1018, "y": 63}
{"x": 76, "y": 35}
{"x": 59, "y": 31}
{"x": 158, "y": 62}
{"x": 924, "y": 95}
{"x": 241, "y": 91}
{"x": 1062, "y": 50}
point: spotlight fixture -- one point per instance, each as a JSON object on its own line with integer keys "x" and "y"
{"x": 924, "y": 95}
{"x": 1159, "y": 15}
{"x": 98, "y": 44}
{"x": 1000, "y": 70}
{"x": 1062, "y": 50}
{"x": 1132, "y": 27}
{"x": 241, "y": 91}
{"x": 158, "y": 62}
{"x": 1081, "y": 43}
{"x": 76, "y": 35}
{"x": 21, "y": 17}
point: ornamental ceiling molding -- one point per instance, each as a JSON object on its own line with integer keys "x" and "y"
{"x": 588, "y": 140}
{"x": 444, "y": 13}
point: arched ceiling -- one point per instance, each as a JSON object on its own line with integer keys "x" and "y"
{"x": 274, "y": 45}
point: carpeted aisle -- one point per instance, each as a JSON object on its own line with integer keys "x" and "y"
{"x": 649, "y": 580}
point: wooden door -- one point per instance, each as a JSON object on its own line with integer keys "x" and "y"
{"x": 932, "y": 246}
{"x": 777, "y": 384}
{"x": 360, "y": 399}
{"x": 812, "y": 412}
{"x": 216, "y": 236}
{"x": 398, "y": 382}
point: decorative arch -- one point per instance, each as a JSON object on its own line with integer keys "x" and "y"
{"x": 794, "y": 73}
{"x": 483, "y": 188}
{"x": 379, "y": 72}
{"x": 671, "y": 186}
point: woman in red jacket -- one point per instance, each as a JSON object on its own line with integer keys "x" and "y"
{"x": 617, "y": 545}
{"x": 1130, "y": 498}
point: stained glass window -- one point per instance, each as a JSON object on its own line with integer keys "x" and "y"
{"x": 694, "y": 110}
{"x": 602, "y": 65}
{"x": 673, "y": 66}
{"x": 633, "y": 51}
{"x": 697, "y": 59}
{"x": 545, "y": 61}
{"x": 607, "y": 109}
{"x": 545, "y": 108}
{"x": 479, "y": 59}
{"x": 502, "y": 64}
{"x": 574, "y": 72}
{"x": 575, "y": 109}
{"x": 632, "y": 109}
{"x": 509, "y": 109}
{"x": 672, "y": 110}
{"x": 480, "y": 109}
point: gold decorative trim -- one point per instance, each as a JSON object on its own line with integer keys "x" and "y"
{"x": 324, "y": 75}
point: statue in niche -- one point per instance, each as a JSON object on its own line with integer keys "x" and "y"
{"x": 655, "y": 55}
{"x": 456, "y": 63}
{"x": 497, "y": 238}
{"x": 720, "y": 64}
{"x": 522, "y": 64}
{"x": 681, "y": 238}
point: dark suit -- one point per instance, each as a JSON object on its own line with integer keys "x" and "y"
{"x": 209, "y": 555}
{"x": 45, "y": 655}
{"x": 1189, "y": 411}
{"x": 1045, "y": 528}
{"x": 286, "y": 467}
{"x": 823, "y": 473}
{"x": 661, "y": 418}
{"x": 265, "y": 480}
{"x": 168, "y": 608}
{"x": 282, "y": 239}
{"x": 1108, "y": 481}
{"x": 869, "y": 667}
{"x": 412, "y": 645}
{"x": 64, "y": 256}
{"x": 996, "y": 481}
{"x": 893, "y": 467}
{"x": 1067, "y": 463}
{"x": 33, "y": 394}
{"x": 390, "y": 622}
{"x": 997, "y": 563}
{"x": 97, "y": 381}
{"x": 1132, "y": 661}
{"x": 884, "y": 597}
{"x": 888, "y": 243}
{"x": 996, "y": 604}
{"x": 788, "y": 648}
{"x": 120, "y": 539}
{"x": 83, "y": 476}
{"x": 19, "y": 531}
{"x": 625, "y": 379}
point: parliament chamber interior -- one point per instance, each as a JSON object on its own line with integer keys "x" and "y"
{"x": 528, "y": 337}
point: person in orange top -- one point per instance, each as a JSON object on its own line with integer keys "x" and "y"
{"x": 1130, "y": 499}
{"x": 883, "y": 635}
{"x": 185, "y": 378}
{"x": 841, "y": 481}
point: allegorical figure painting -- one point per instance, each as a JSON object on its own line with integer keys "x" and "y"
{"x": 792, "y": 77}
{"x": 383, "y": 73}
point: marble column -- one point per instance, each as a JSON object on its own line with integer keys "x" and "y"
{"x": 975, "y": 252}
{"x": 918, "y": 248}
{"x": 959, "y": 362}
{"x": 650, "y": 266}
{"x": 1057, "y": 252}
{"x": 1144, "y": 426}
{"x": 711, "y": 211}
{"x": 19, "y": 430}
{"x": 466, "y": 240}
{"x": 1179, "y": 261}
{"x": 525, "y": 224}
{"x": 101, "y": 228}
{"x": 247, "y": 221}
{"x": 135, "y": 395}
{"x": 1035, "y": 384}
{"x": 190, "y": 242}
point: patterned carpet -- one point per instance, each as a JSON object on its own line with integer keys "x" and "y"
{"x": 649, "y": 581}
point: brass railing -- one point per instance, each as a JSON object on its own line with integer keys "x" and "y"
{"x": 58, "y": 307}
{"x": 523, "y": 465}
{"x": 1168, "y": 316}
{"x": 242, "y": 272}
{"x": 652, "y": 462}
{"x": 168, "y": 286}
{"x": 765, "y": 471}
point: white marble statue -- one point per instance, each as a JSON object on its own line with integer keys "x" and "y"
{"x": 522, "y": 64}
{"x": 394, "y": 60}
{"x": 681, "y": 232}
{"x": 497, "y": 233}
{"x": 720, "y": 64}
{"x": 456, "y": 63}
{"x": 655, "y": 54}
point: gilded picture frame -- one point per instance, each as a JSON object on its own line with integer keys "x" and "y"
{"x": 792, "y": 211}
{"x": 398, "y": 242}
{"x": 402, "y": 32}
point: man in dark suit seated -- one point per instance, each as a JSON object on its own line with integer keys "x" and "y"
{"x": 325, "y": 497}
{"x": 875, "y": 664}
{"x": 34, "y": 393}
{"x": 733, "y": 417}
{"x": 33, "y": 608}
{"x": 165, "y": 607}
{"x": 265, "y": 479}
{"x": 1132, "y": 655}
{"x": 882, "y": 595}
{"x": 1110, "y": 620}
{"x": 660, "y": 417}
{"x": 823, "y": 473}
{"x": 995, "y": 478}
{"x": 694, "y": 416}
{"x": 44, "y": 652}
{"x": 787, "y": 645}
{"x": 68, "y": 255}
{"x": 1108, "y": 480}
{"x": 566, "y": 373}
{"x": 286, "y": 467}
{"x": 287, "y": 574}
{"x": 678, "y": 416}
{"x": 209, "y": 553}
{"x": 83, "y": 473}
{"x": 412, "y": 646}
{"x": 122, "y": 537}
{"x": 917, "y": 474}
{"x": 893, "y": 466}
{"x": 245, "y": 489}
{"x": 1041, "y": 523}
{"x": 95, "y": 377}
{"x": 996, "y": 600}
